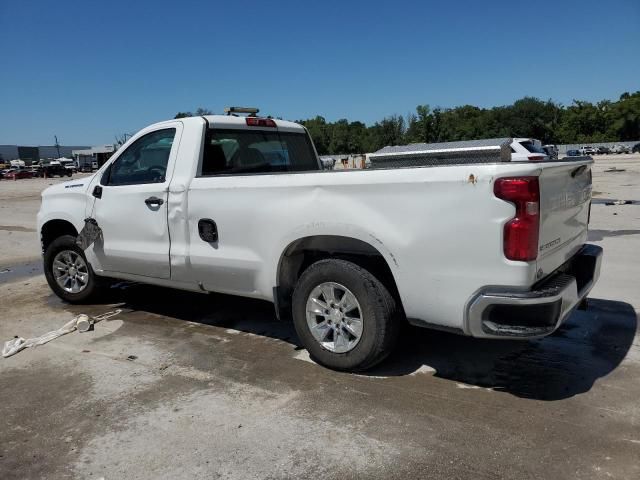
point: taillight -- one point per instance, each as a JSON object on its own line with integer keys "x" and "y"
{"x": 521, "y": 232}
{"x": 260, "y": 122}
{"x": 536, "y": 158}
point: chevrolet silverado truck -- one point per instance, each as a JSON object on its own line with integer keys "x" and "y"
{"x": 240, "y": 205}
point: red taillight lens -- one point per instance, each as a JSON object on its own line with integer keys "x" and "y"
{"x": 260, "y": 122}
{"x": 535, "y": 158}
{"x": 521, "y": 232}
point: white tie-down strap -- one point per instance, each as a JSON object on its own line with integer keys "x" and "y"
{"x": 82, "y": 323}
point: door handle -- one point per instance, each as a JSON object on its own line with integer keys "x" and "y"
{"x": 154, "y": 201}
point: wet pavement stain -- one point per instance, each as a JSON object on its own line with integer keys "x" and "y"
{"x": 599, "y": 235}
{"x": 18, "y": 272}
{"x": 608, "y": 201}
{"x": 30, "y": 446}
{"x": 16, "y": 228}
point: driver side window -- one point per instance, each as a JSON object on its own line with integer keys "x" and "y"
{"x": 144, "y": 161}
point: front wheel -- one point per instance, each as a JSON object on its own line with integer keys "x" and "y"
{"x": 67, "y": 271}
{"x": 344, "y": 316}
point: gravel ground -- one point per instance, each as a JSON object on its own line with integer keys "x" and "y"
{"x": 183, "y": 385}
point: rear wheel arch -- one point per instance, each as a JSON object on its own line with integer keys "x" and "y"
{"x": 303, "y": 252}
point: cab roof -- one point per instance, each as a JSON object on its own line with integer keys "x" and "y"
{"x": 232, "y": 121}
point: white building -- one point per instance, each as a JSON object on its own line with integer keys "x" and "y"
{"x": 99, "y": 154}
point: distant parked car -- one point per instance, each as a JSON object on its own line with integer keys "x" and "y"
{"x": 573, "y": 153}
{"x": 587, "y": 150}
{"x": 523, "y": 149}
{"x": 620, "y": 149}
{"x": 636, "y": 148}
{"x": 602, "y": 150}
{"x": 94, "y": 166}
{"x": 17, "y": 174}
{"x": 70, "y": 167}
{"x": 552, "y": 151}
{"x": 54, "y": 170}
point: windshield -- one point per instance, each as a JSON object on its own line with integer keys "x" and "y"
{"x": 257, "y": 151}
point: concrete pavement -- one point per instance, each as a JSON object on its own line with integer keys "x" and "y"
{"x": 183, "y": 385}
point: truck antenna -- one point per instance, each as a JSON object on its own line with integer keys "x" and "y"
{"x": 57, "y": 145}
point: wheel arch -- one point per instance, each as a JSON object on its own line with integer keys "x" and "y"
{"x": 55, "y": 228}
{"x": 304, "y": 251}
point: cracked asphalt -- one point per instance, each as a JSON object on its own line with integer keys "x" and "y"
{"x": 184, "y": 385}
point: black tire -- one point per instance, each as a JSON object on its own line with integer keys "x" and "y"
{"x": 380, "y": 315}
{"x": 67, "y": 242}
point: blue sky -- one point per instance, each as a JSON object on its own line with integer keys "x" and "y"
{"x": 87, "y": 71}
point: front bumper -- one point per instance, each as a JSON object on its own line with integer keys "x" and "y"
{"x": 498, "y": 313}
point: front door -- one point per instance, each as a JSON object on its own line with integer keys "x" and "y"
{"x": 130, "y": 207}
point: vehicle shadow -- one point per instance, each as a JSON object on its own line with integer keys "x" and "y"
{"x": 224, "y": 311}
{"x": 590, "y": 344}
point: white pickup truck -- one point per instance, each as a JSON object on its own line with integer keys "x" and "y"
{"x": 240, "y": 205}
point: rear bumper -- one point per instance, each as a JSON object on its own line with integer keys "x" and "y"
{"x": 500, "y": 313}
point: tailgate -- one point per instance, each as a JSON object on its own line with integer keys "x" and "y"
{"x": 565, "y": 201}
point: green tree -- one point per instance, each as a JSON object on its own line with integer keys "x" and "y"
{"x": 582, "y": 122}
{"x": 530, "y": 117}
{"x": 199, "y": 112}
{"x": 623, "y": 117}
{"x": 319, "y": 131}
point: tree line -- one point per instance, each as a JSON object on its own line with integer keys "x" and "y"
{"x": 530, "y": 117}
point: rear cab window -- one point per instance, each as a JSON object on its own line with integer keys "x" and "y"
{"x": 243, "y": 152}
{"x": 532, "y": 147}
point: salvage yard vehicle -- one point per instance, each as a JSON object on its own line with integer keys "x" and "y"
{"x": 587, "y": 150}
{"x": 69, "y": 164}
{"x": 528, "y": 149}
{"x": 240, "y": 205}
{"x": 551, "y": 151}
{"x": 54, "y": 170}
{"x": 17, "y": 174}
{"x": 619, "y": 149}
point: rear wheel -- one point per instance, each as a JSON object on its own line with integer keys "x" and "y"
{"x": 67, "y": 271}
{"x": 344, "y": 316}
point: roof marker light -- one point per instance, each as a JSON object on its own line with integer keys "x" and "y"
{"x": 260, "y": 122}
